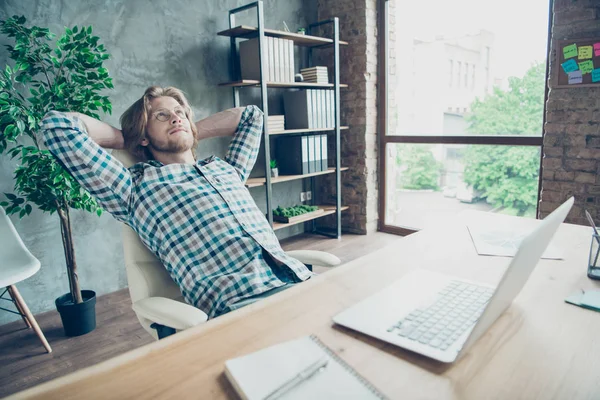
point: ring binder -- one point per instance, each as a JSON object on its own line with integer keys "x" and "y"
{"x": 348, "y": 368}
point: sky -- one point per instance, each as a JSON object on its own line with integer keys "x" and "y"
{"x": 520, "y": 27}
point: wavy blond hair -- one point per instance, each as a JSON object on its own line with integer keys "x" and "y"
{"x": 135, "y": 120}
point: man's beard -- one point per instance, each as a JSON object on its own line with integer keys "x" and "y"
{"x": 170, "y": 147}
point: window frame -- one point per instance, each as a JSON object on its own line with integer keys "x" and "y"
{"x": 382, "y": 124}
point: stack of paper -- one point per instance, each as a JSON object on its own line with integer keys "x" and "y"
{"x": 276, "y": 123}
{"x": 315, "y": 75}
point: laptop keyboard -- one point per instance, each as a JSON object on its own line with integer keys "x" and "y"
{"x": 458, "y": 306}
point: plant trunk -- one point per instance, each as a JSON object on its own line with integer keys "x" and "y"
{"x": 67, "y": 238}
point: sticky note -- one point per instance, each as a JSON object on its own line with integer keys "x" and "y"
{"x": 585, "y": 52}
{"x": 586, "y": 67}
{"x": 596, "y": 75}
{"x": 591, "y": 298}
{"x": 597, "y": 49}
{"x": 570, "y": 66}
{"x": 570, "y": 51}
{"x": 575, "y": 77}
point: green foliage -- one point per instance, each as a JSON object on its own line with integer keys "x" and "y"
{"x": 516, "y": 111}
{"x": 294, "y": 211}
{"x": 421, "y": 170}
{"x": 507, "y": 176}
{"x": 68, "y": 76}
{"x": 273, "y": 163}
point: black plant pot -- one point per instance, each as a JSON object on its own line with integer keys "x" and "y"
{"x": 77, "y": 319}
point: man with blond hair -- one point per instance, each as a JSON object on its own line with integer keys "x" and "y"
{"x": 197, "y": 216}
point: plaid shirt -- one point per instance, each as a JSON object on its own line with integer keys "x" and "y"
{"x": 200, "y": 220}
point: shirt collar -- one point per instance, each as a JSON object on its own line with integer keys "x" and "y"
{"x": 208, "y": 160}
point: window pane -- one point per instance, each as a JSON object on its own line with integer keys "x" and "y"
{"x": 465, "y": 69}
{"x": 429, "y": 184}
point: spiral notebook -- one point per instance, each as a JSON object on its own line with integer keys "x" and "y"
{"x": 258, "y": 375}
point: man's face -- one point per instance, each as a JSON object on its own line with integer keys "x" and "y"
{"x": 168, "y": 129}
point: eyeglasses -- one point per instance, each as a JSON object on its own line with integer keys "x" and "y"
{"x": 163, "y": 115}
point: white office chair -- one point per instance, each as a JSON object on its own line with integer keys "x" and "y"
{"x": 17, "y": 264}
{"x": 156, "y": 298}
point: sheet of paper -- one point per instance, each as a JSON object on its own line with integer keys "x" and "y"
{"x": 502, "y": 241}
{"x": 597, "y": 49}
{"x": 570, "y": 51}
{"x": 596, "y": 75}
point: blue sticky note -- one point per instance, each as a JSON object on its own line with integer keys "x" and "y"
{"x": 591, "y": 299}
{"x": 596, "y": 75}
{"x": 570, "y": 66}
{"x": 575, "y": 77}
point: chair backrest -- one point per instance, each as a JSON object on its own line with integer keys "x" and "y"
{"x": 146, "y": 276}
{"x": 16, "y": 260}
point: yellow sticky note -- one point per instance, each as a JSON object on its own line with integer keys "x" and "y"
{"x": 570, "y": 51}
{"x": 585, "y": 52}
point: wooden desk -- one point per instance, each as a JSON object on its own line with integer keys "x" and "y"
{"x": 540, "y": 348}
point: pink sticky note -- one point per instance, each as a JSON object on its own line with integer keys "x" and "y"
{"x": 597, "y": 49}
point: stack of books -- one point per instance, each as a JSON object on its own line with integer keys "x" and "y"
{"x": 276, "y": 123}
{"x": 315, "y": 74}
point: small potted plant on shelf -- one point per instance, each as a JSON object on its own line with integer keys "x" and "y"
{"x": 274, "y": 169}
{"x": 68, "y": 77}
{"x": 290, "y": 214}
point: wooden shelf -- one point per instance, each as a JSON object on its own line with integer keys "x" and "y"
{"x": 327, "y": 210}
{"x": 252, "y": 82}
{"x": 244, "y": 31}
{"x": 255, "y": 182}
{"x": 294, "y": 131}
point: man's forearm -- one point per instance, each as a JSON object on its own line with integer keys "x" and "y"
{"x": 224, "y": 123}
{"x": 103, "y": 134}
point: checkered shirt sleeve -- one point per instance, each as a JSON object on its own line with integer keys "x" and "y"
{"x": 245, "y": 144}
{"x": 93, "y": 167}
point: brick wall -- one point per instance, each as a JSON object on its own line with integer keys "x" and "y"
{"x": 358, "y": 68}
{"x": 571, "y": 163}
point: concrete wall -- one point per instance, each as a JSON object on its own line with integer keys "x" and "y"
{"x": 571, "y": 164}
{"x": 157, "y": 42}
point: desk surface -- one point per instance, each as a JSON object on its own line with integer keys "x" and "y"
{"x": 540, "y": 347}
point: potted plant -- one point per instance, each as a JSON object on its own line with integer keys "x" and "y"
{"x": 67, "y": 76}
{"x": 274, "y": 169}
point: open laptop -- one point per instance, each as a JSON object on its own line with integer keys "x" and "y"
{"x": 440, "y": 316}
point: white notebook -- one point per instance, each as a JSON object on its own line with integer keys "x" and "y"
{"x": 257, "y": 375}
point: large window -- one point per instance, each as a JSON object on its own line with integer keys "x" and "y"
{"x": 464, "y": 95}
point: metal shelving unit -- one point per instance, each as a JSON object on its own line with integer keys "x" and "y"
{"x": 311, "y": 42}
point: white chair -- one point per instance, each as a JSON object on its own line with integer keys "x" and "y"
{"x": 156, "y": 298}
{"x": 17, "y": 264}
